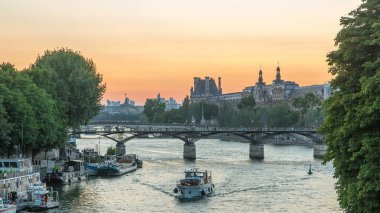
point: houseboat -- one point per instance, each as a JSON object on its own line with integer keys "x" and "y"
{"x": 110, "y": 168}
{"x": 129, "y": 158}
{"x": 72, "y": 171}
{"x": 18, "y": 185}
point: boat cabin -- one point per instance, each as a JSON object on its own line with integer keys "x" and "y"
{"x": 194, "y": 176}
{"x": 74, "y": 165}
{"x": 16, "y": 165}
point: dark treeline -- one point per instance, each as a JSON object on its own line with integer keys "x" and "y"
{"x": 301, "y": 112}
{"x": 60, "y": 90}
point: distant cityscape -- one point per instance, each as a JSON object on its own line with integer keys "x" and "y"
{"x": 206, "y": 90}
{"x": 280, "y": 90}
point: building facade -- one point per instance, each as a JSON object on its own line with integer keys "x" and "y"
{"x": 170, "y": 104}
{"x": 279, "y": 90}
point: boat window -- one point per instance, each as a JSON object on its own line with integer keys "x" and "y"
{"x": 6, "y": 164}
{"x": 14, "y": 164}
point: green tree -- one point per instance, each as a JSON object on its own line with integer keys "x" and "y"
{"x": 247, "y": 102}
{"x": 352, "y": 115}
{"x": 72, "y": 81}
{"x": 111, "y": 150}
{"x": 305, "y": 104}
{"x": 228, "y": 115}
{"x": 154, "y": 110}
{"x": 5, "y": 126}
{"x": 280, "y": 115}
{"x": 185, "y": 110}
{"x": 32, "y": 113}
{"x": 173, "y": 116}
{"x": 210, "y": 111}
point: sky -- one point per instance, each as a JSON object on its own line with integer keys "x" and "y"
{"x": 146, "y": 47}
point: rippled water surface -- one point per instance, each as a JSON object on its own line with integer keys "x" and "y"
{"x": 279, "y": 183}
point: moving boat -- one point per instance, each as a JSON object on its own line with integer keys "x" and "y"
{"x": 196, "y": 184}
{"x": 7, "y": 208}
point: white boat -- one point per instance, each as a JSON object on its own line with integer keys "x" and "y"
{"x": 197, "y": 183}
{"x": 7, "y": 208}
{"x": 42, "y": 198}
{"x": 20, "y": 184}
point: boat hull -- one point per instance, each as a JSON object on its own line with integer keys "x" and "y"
{"x": 195, "y": 192}
{"x": 117, "y": 171}
{"x": 45, "y": 206}
{"x": 65, "y": 178}
{"x": 92, "y": 170}
{"x": 9, "y": 209}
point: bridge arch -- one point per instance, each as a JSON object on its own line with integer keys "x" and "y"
{"x": 191, "y": 135}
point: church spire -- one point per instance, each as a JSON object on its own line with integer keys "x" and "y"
{"x": 278, "y": 74}
{"x": 260, "y": 75}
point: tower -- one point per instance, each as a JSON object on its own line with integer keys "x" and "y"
{"x": 278, "y": 74}
{"x": 220, "y": 85}
{"x": 207, "y": 85}
{"x": 260, "y": 76}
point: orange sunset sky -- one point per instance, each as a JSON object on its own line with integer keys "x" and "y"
{"x": 146, "y": 47}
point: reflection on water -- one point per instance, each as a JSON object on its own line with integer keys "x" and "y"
{"x": 279, "y": 183}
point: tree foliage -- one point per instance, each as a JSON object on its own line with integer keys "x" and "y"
{"x": 154, "y": 110}
{"x": 31, "y": 118}
{"x": 72, "y": 81}
{"x": 306, "y": 102}
{"x": 310, "y": 108}
{"x": 247, "y": 102}
{"x": 210, "y": 111}
{"x": 352, "y": 115}
{"x": 111, "y": 150}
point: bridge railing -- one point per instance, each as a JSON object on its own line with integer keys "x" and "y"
{"x": 119, "y": 129}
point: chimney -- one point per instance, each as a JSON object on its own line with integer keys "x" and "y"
{"x": 220, "y": 85}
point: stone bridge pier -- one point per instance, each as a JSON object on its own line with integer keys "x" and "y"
{"x": 320, "y": 150}
{"x": 256, "y": 150}
{"x": 120, "y": 149}
{"x": 189, "y": 151}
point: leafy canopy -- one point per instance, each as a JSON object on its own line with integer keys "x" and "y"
{"x": 31, "y": 117}
{"x": 352, "y": 115}
{"x": 154, "y": 110}
{"x": 72, "y": 81}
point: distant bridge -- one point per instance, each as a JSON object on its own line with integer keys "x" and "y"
{"x": 191, "y": 134}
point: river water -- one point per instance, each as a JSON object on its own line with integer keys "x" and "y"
{"x": 279, "y": 183}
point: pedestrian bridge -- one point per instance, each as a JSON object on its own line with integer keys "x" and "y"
{"x": 191, "y": 134}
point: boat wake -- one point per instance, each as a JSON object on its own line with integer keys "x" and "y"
{"x": 158, "y": 188}
{"x": 244, "y": 190}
